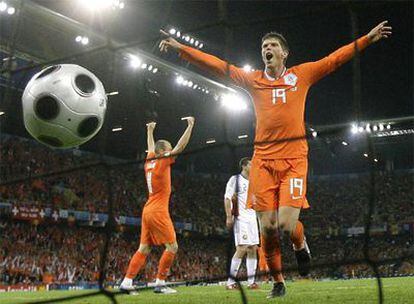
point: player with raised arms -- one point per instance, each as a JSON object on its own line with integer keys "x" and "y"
{"x": 156, "y": 225}
{"x": 277, "y": 189}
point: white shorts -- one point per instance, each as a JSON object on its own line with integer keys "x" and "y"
{"x": 246, "y": 232}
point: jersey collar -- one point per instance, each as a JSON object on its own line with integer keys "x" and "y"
{"x": 273, "y": 79}
{"x": 242, "y": 176}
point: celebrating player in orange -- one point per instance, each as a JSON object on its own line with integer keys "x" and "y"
{"x": 277, "y": 189}
{"x": 156, "y": 225}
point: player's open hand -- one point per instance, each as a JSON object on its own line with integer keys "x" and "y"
{"x": 382, "y": 30}
{"x": 190, "y": 120}
{"x": 151, "y": 125}
{"x": 168, "y": 42}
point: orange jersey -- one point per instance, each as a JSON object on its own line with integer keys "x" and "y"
{"x": 279, "y": 103}
{"x": 158, "y": 176}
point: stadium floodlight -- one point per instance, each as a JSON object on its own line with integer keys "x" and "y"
{"x": 381, "y": 127}
{"x": 172, "y": 31}
{"x": 85, "y": 40}
{"x": 185, "y": 82}
{"x": 368, "y": 128}
{"x": 3, "y": 6}
{"x": 314, "y": 133}
{"x": 375, "y": 160}
{"x": 143, "y": 66}
{"x": 11, "y": 10}
{"x": 360, "y": 129}
{"x": 375, "y": 128}
{"x": 179, "y": 80}
{"x": 187, "y": 38}
{"x": 354, "y": 129}
{"x": 366, "y": 154}
{"x": 178, "y": 34}
{"x": 388, "y": 127}
{"x": 242, "y": 136}
{"x": 195, "y": 86}
{"x": 155, "y": 70}
{"x": 344, "y": 143}
{"x": 190, "y": 84}
{"x": 116, "y": 129}
{"x": 201, "y": 45}
{"x": 135, "y": 62}
{"x": 78, "y": 38}
{"x": 192, "y": 40}
{"x": 210, "y": 141}
{"x": 196, "y": 43}
{"x": 247, "y": 68}
{"x": 150, "y": 67}
{"x": 207, "y": 91}
{"x": 112, "y": 93}
{"x": 1, "y": 113}
{"x": 96, "y": 4}
{"x": 233, "y": 102}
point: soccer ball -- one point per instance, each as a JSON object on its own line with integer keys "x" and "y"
{"x": 64, "y": 106}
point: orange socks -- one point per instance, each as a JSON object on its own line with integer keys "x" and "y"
{"x": 164, "y": 265}
{"x": 135, "y": 265}
{"x": 271, "y": 247}
{"x": 262, "y": 259}
{"x": 297, "y": 237}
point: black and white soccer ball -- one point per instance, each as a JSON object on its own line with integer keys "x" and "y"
{"x": 64, "y": 106}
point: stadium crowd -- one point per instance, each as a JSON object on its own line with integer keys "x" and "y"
{"x": 62, "y": 253}
{"x": 335, "y": 202}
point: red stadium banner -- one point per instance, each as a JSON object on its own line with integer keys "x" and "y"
{"x": 28, "y": 213}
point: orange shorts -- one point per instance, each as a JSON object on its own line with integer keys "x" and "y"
{"x": 157, "y": 228}
{"x": 277, "y": 182}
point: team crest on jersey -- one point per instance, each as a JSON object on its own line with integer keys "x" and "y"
{"x": 290, "y": 79}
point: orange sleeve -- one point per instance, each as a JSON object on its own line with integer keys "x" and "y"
{"x": 314, "y": 71}
{"x": 216, "y": 66}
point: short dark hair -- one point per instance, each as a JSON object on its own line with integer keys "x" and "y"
{"x": 243, "y": 162}
{"x": 279, "y": 37}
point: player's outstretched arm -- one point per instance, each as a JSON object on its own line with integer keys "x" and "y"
{"x": 204, "y": 61}
{"x": 185, "y": 138}
{"x": 316, "y": 70}
{"x": 150, "y": 137}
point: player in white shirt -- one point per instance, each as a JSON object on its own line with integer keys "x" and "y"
{"x": 244, "y": 224}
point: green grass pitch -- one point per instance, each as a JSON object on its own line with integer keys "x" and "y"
{"x": 396, "y": 290}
